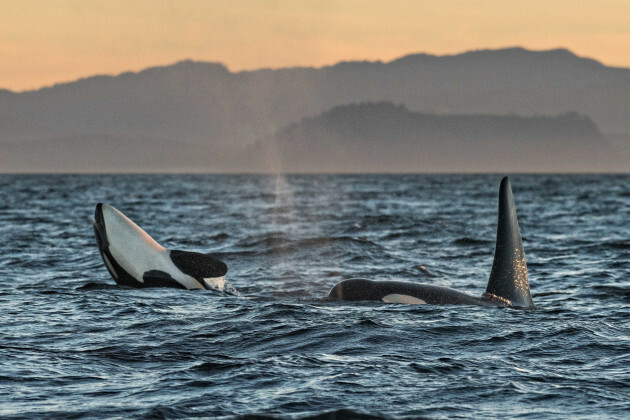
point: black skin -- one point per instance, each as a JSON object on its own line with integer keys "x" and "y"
{"x": 362, "y": 289}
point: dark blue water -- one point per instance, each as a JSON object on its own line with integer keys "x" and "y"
{"x": 73, "y": 344}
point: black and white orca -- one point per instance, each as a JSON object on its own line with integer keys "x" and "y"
{"x": 508, "y": 285}
{"x": 134, "y": 259}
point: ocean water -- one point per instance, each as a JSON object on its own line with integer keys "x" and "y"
{"x": 73, "y": 344}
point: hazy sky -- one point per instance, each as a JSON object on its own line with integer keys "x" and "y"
{"x": 44, "y": 41}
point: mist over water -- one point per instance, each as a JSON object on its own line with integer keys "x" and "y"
{"x": 74, "y": 344}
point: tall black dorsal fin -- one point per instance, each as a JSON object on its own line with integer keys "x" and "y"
{"x": 508, "y": 279}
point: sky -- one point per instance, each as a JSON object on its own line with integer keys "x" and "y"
{"x": 43, "y": 42}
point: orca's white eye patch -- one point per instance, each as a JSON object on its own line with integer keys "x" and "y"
{"x": 409, "y": 300}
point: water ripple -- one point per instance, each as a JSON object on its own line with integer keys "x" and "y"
{"x": 73, "y": 344}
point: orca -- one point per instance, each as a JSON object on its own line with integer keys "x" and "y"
{"x": 508, "y": 285}
{"x": 134, "y": 259}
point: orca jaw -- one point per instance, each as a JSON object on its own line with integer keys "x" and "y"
{"x": 118, "y": 273}
{"x": 99, "y": 228}
{"x": 101, "y": 241}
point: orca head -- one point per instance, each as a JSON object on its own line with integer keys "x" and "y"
{"x": 123, "y": 245}
{"x": 135, "y": 259}
{"x": 508, "y": 284}
{"x": 113, "y": 229}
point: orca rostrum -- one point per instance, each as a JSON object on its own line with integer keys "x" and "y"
{"x": 134, "y": 259}
{"x": 508, "y": 285}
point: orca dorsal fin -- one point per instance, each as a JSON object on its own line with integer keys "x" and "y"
{"x": 508, "y": 278}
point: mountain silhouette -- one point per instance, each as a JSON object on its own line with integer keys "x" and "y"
{"x": 192, "y": 109}
{"x": 390, "y": 138}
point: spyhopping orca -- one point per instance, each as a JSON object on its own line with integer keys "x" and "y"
{"x": 508, "y": 284}
{"x": 134, "y": 259}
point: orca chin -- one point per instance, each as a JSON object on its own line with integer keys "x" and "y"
{"x": 134, "y": 259}
{"x": 508, "y": 284}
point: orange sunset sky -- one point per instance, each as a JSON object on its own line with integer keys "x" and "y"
{"x": 43, "y": 42}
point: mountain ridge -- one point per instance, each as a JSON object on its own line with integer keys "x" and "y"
{"x": 391, "y": 138}
{"x": 368, "y": 137}
{"x": 483, "y": 52}
{"x": 200, "y": 104}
